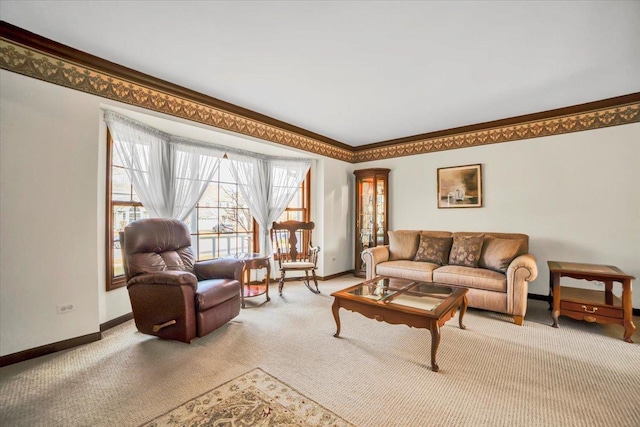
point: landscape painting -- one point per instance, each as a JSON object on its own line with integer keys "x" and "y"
{"x": 460, "y": 187}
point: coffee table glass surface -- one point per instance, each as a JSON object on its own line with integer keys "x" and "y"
{"x": 403, "y": 292}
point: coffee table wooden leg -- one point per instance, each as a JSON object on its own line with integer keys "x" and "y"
{"x": 435, "y": 342}
{"x": 335, "y": 308}
{"x": 463, "y": 310}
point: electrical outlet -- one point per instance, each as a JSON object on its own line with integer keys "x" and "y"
{"x": 65, "y": 308}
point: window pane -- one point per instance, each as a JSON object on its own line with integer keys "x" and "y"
{"x": 208, "y": 221}
{"x": 245, "y": 221}
{"x": 210, "y": 197}
{"x": 123, "y": 215}
{"x": 206, "y": 246}
{"x": 115, "y": 157}
{"x": 120, "y": 185}
{"x": 118, "y": 269}
{"x": 134, "y": 195}
{"x": 245, "y": 243}
{"x": 225, "y": 172}
{"x": 288, "y": 215}
{"x": 296, "y": 202}
{"x": 228, "y": 195}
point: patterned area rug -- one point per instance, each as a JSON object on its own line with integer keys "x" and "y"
{"x": 252, "y": 399}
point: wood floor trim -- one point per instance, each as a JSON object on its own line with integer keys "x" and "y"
{"x": 115, "y": 322}
{"x": 32, "y": 353}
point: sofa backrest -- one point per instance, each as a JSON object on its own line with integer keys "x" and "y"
{"x": 523, "y": 238}
{"x": 399, "y": 239}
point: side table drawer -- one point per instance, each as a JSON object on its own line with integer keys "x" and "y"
{"x": 596, "y": 310}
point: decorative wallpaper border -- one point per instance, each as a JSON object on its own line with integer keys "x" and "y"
{"x": 547, "y": 127}
{"x": 43, "y": 66}
{"x": 35, "y": 63}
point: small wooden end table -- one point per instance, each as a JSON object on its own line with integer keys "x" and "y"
{"x": 254, "y": 261}
{"x": 404, "y": 302}
{"x": 590, "y": 305}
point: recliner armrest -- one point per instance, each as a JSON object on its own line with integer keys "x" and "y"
{"x": 219, "y": 268}
{"x": 168, "y": 277}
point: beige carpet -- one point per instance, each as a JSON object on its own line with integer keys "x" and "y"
{"x": 491, "y": 374}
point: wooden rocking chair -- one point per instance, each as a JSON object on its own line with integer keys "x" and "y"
{"x": 295, "y": 251}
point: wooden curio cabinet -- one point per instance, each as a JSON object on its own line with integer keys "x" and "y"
{"x": 372, "y": 207}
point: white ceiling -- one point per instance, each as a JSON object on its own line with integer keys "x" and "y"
{"x": 362, "y": 72}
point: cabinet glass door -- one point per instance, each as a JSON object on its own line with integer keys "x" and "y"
{"x": 371, "y": 213}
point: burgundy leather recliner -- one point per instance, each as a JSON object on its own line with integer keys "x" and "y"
{"x": 172, "y": 296}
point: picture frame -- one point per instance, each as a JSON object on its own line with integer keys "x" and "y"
{"x": 460, "y": 187}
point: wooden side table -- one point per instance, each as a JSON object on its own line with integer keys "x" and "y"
{"x": 254, "y": 261}
{"x": 589, "y": 305}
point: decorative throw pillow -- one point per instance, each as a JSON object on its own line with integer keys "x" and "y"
{"x": 466, "y": 250}
{"x": 497, "y": 253}
{"x": 403, "y": 244}
{"x": 434, "y": 249}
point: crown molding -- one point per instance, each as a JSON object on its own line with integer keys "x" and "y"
{"x": 594, "y": 115}
{"x": 34, "y": 56}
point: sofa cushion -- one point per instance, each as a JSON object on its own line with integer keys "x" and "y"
{"x": 434, "y": 249}
{"x": 407, "y": 270}
{"x": 497, "y": 254}
{"x": 478, "y": 278}
{"x": 466, "y": 250}
{"x": 403, "y": 244}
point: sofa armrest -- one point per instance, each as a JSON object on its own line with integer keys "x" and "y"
{"x": 372, "y": 257}
{"x": 169, "y": 277}
{"x": 523, "y": 269}
{"x": 526, "y": 263}
{"x": 229, "y": 268}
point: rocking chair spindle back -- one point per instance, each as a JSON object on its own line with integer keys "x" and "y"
{"x": 295, "y": 251}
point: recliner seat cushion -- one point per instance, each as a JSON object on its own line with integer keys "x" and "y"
{"x": 478, "y": 278}
{"x": 215, "y": 291}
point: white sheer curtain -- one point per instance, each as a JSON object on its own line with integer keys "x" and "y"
{"x": 169, "y": 174}
{"x": 143, "y": 152}
{"x": 268, "y": 185}
{"x": 193, "y": 168}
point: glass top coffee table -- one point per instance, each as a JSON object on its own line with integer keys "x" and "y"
{"x": 404, "y": 302}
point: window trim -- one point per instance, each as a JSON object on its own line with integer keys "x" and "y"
{"x": 111, "y": 282}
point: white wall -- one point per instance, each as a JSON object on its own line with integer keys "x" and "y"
{"x": 576, "y": 196}
{"x": 52, "y": 209}
{"x": 48, "y": 212}
{"x": 334, "y": 209}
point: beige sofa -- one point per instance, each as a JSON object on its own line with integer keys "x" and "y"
{"x": 495, "y": 267}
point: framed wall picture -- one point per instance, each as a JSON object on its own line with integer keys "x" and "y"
{"x": 460, "y": 187}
